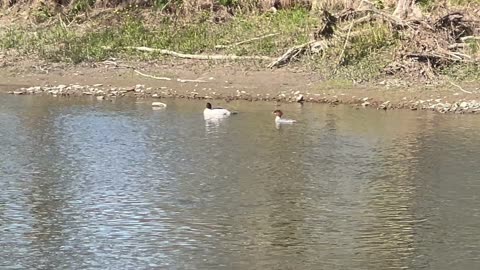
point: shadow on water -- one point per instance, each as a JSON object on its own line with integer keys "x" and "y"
{"x": 88, "y": 184}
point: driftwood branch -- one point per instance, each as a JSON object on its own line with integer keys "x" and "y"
{"x": 168, "y": 79}
{"x": 436, "y": 57}
{"x": 152, "y": 77}
{"x": 116, "y": 65}
{"x": 199, "y": 56}
{"x": 245, "y": 41}
{"x": 457, "y": 46}
{"x": 459, "y": 87}
{"x": 290, "y": 54}
{"x": 463, "y": 39}
{"x": 186, "y": 80}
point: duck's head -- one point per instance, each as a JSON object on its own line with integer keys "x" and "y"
{"x": 278, "y": 113}
{"x": 209, "y": 106}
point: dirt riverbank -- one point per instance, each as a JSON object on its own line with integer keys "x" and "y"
{"x": 201, "y": 80}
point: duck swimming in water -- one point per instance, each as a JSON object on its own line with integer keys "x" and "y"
{"x": 280, "y": 120}
{"x": 210, "y": 112}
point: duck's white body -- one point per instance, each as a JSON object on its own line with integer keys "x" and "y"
{"x": 159, "y": 104}
{"x": 279, "y": 120}
{"x": 216, "y": 113}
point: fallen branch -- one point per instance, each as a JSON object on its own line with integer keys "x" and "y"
{"x": 435, "y": 57}
{"x": 457, "y": 46}
{"x": 345, "y": 44}
{"x": 459, "y": 87}
{"x": 379, "y": 14}
{"x": 245, "y": 41}
{"x": 463, "y": 39}
{"x": 462, "y": 56}
{"x": 200, "y": 56}
{"x": 168, "y": 79}
{"x": 116, "y": 65}
{"x": 290, "y": 54}
{"x": 186, "y": 80}
{"x": 153, "y": 77}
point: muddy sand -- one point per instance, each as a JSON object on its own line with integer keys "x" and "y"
{"x": 199, "y": 80}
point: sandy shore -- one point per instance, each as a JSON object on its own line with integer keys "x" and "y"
{"x": 202, "y": 80}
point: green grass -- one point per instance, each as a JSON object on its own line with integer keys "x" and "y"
{"x": 463, "y": 72}
{"x": 364, "y": 58}
{"x": 57, "y": 43}
{"x": 365, "y": 55}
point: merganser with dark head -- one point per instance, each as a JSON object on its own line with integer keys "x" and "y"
{"x": 280, "y": 120}
{"x": 210, "y": 112}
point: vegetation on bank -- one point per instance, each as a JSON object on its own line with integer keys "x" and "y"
{"x": 78, "y": 32}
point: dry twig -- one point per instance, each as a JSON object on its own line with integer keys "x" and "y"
{"x": 152, "y": 77}
{"x": 459, "y": 87}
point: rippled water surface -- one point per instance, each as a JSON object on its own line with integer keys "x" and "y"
{"x": 116, "y": 185}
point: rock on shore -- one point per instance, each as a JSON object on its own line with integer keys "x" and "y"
{"x": 102, "y": 92}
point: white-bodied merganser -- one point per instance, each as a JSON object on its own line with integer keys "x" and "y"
{"x": 210, "y": 112}
{"x": 280, "y": 120}
{"x": 159, "y": 104}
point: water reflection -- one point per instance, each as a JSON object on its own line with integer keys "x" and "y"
{"x": 87, "y": 184}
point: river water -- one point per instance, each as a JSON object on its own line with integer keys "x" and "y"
{"x": 116, "y": 185}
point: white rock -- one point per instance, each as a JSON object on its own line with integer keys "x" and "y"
{"x": 100, "y": 97}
